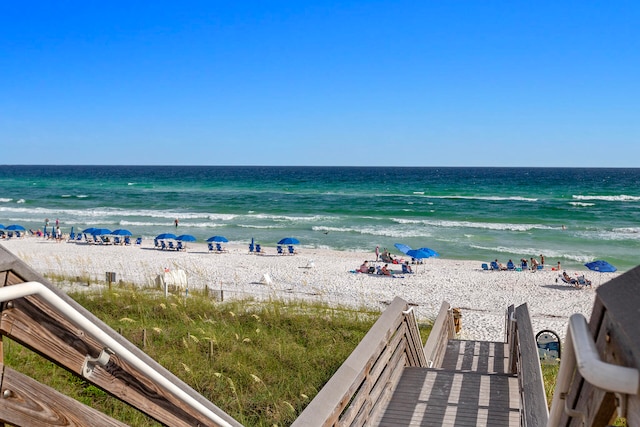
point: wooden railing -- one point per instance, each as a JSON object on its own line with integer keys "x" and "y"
{"x": 599, "y": 372}
{"x": 442, "y": 331}
{"x": 363, "y": 384}
{"x": 45, "y": 320}
{"x": 525, "y": 362}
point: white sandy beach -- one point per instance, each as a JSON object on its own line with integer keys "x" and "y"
{"x": 326, "y": 275}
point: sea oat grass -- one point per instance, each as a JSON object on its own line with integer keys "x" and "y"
{"x": 262, "y": 362}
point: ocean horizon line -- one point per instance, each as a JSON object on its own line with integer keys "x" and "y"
{"x": 324, "y": 166}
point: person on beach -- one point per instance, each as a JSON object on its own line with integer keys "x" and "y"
{"x": 176, "y": 222}
{"x": 542, "y": 260}
{"x": 569, "y": 279}
{"x": 364, "y": 268}
{"x": 534, "y": 264}
{"x": 377, "y": 253}
{"x": 406, "y": 268}
{"x": 385, "y": 270}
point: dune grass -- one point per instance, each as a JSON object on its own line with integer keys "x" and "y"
{"x": 261, "y": 362}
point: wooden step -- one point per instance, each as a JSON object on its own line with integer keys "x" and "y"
{"x": 437, "y": 397}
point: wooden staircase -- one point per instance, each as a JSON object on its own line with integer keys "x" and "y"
{"x": 471, "y": 388}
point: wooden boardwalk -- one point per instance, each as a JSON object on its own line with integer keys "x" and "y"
{"x": 471, "y": 388}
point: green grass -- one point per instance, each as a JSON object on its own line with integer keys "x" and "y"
{"x": 261, "y": 362}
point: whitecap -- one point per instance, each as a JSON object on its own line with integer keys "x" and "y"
{"x": 5, "y": 200}
{"x": 612, "y": 198}
{"x": 581, "y": 204}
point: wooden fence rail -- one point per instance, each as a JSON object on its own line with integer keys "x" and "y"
{"x": 363, "y": 384}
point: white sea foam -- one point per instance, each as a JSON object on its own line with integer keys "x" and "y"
{"x": 469, "y": 224}
{"x": 581, "y": 204}
{"x": 615, "y": 198}
{"x": 488, "y": 198}
{"x": 5, "y": 200}
{"x": 20, "y": 201}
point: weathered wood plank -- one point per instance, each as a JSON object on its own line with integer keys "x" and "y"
{"x": 434, "y": 397}
{"x": 441, "y": 332}
{"x": 535, "y": 411}
{"x": 26, "y": 402}
{"x": 613, "y": 324}
{"x": 34, "y": 323}
{"x": 329, "y": 403}
{"x": 374, "y": 376}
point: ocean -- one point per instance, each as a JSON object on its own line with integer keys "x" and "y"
{"x": 571, "y": 215}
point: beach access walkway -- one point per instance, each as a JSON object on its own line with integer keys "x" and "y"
{"x": 472, "y": 387}
{"x": 391, "y": 380}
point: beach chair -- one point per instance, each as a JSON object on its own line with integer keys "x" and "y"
{"x": 511, "y": 266}
{"x": 582, "y": 281}
{"x": 495, "y": 266}
{"x": 219, "y": 248}
{"x": 139, "y": 241}
{"x": 251, "y": 248}
{"x": 181, "y": 247}
{"x": 279, "y": 249}
{"x": 127, "y": 241}
{"x": 259, "y": 249}
{"x": 171, "y": 245}
{"x": 116, "y": 240}
{"x": 163, "y": 245}
{"x": 485, "y": 266}
{"x": 210, "y": 245}
{"x": 292, "y": 250}
{"x": 79, "y": 237}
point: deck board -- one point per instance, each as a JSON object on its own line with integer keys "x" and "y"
{"x": 471, "y": 388}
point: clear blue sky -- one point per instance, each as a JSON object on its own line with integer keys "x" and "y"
{"x": 380, "y": 83}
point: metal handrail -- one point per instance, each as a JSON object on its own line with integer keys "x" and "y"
{"x": 580, "y": 351}
{"x": 8, "y": 293}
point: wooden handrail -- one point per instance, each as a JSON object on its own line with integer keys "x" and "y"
{"x": 362, "y": 385}
{"x": 441, "y": 332}
{"x": 524, "y": 356}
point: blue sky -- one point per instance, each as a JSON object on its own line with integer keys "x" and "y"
{"x": 379, "y": 83}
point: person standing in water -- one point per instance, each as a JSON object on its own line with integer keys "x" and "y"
{"x": 176, "y": 222}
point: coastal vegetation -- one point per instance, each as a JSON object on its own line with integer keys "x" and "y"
{"x": 261, "y": 362}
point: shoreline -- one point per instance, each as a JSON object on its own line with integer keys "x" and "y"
{"x": 326, "y": 275}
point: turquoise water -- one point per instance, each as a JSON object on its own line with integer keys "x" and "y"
{"x": 569, "y": 215}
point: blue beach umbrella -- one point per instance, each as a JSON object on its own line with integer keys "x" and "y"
{"x": 121, "y": 232}
{"x": 1, "y": 227}
{"x": 402, "y": 247}
{"x": 86, "y": 230}
{"x": 418, "y": 254}
{"x": 100, "y": 231}
{"x": 186, "y": 238}
{"x": 289, "y": 241}
{"x": 15, "y": 227}
{"x": 430, "y": 251}
{"x": 600, "y": 266}
{"x": 218, "y": 239}
{"x": 165, "y": 236}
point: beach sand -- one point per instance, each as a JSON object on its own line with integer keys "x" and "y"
{"x": 326, "y": 275}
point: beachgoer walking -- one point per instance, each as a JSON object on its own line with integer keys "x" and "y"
{"x": 541, "y": 259}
